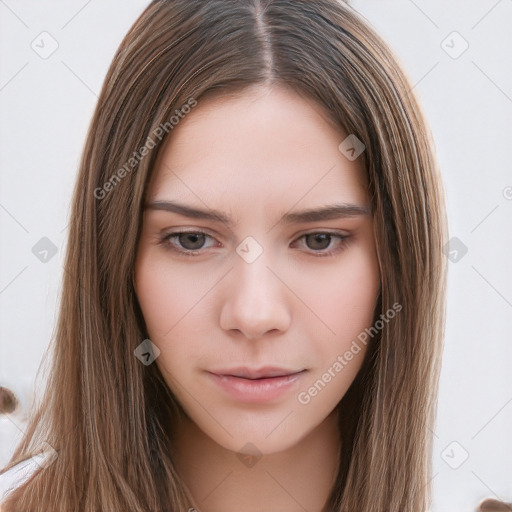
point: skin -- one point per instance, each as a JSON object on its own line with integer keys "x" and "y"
{"x": 255, "y": 157}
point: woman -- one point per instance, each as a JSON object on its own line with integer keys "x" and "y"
{"x": 253, "y": 304}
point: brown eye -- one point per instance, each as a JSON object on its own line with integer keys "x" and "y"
{"x": 188, "y": 243}
{"x": 322, "y": 243}
{"x": 191, "y": 241}
{"x": 318, "y": 241}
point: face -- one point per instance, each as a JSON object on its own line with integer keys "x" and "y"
{"x": 256, "y": 268}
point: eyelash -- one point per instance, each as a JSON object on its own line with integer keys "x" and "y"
{"x": 165, "y": 241}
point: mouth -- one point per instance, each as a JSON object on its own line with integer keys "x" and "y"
{"x": 256, "y": 385}
{"x": 267, "y": 372}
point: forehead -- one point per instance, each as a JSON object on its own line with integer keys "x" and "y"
{"x": 269, "y": 145}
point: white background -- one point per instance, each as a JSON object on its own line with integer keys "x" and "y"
{"x": 46, "y": 106}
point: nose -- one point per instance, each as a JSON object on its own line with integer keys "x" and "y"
{"x": 256, "y": 302}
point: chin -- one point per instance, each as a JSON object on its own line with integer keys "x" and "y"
{"x": 264, "y": 437}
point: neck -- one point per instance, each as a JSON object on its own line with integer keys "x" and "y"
{"x": 220, "y": 480}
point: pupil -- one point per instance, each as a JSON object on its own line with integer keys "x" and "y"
{"x": 196, "y": 240}
{"x": 323, "y": 239}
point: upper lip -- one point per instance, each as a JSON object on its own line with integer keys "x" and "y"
{"x": 256, "y": 373}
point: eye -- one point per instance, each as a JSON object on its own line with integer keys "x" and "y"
{"x": 185, "y": 242}
{"x": 318, "y": 241}
{"x": 191, "y": 243}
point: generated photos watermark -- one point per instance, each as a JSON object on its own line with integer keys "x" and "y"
{"x": 158, "y": 133}
{"x": 304, "y": 397}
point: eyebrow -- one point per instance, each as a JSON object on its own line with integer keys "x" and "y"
{"x": 329, "y": 212}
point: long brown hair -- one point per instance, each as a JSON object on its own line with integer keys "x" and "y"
{"x": 104, "y": 412}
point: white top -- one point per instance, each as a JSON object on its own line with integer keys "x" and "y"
{"x": 19, "y": 473}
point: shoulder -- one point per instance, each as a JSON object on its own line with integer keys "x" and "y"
{"x": 17, "y": 475}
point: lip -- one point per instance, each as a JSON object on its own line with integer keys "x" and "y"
{"x": 256, "y": 373}
{"x": 256, "y": 385}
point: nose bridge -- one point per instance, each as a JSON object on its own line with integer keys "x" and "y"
{"x": 254, "y": 281}
{"x": 256, "y": 300}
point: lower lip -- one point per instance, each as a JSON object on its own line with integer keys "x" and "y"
{"x": 256, "y": 390}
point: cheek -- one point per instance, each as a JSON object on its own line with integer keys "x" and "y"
{"x": 346, "y": 307}
{"x": 165, "y": 293}
{"x": 172, "y": 303}
{"x": 344, "y": 296}
{"x": 157, "y": 302}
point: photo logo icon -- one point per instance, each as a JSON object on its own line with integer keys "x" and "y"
{"x": 249, "y": 249}
{"x": 147, "y": 352}
{"x": 45, "y": 45}
{"x": 351, "y": 147}
{"x": 455, "y": 249}
{"x": 44, "y": 250}
{"x": 249, "y": 455}
{"x": 455, "y": 455}
{"x": 454, "y": 45}
{"x": 46, "y": 457}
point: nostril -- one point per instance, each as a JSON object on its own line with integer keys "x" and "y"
{"x": 8, "y": 401}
